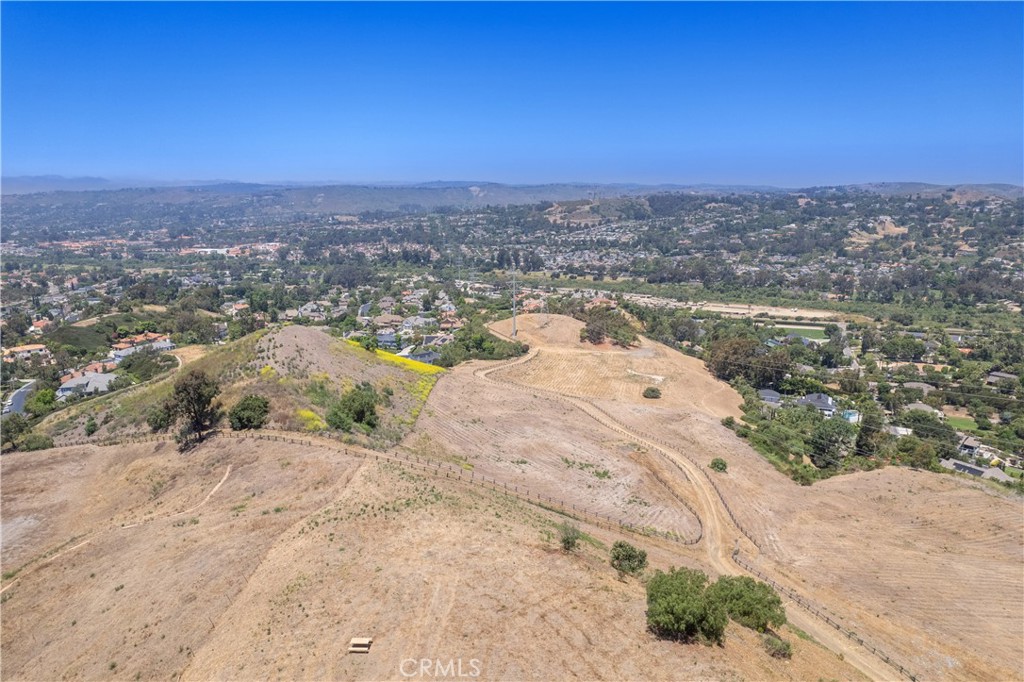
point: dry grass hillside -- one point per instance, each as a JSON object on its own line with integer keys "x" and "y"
{"x": 261, "y": 559}
{"x": 299, "y": 369}
{"x": 238, "y": 562}
{"x": 925, "y": 566}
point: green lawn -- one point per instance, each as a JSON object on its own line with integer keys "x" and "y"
{"x": 962, "y": 423}
{"x": 816, "y": 334}
{"x": 1015, "y": 472}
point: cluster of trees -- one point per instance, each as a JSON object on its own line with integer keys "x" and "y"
{"x": 602, "y": 322}
{"x": 682, "y": 605}
{"x": 474, "y": 342}
{"x": 16, "y": 432}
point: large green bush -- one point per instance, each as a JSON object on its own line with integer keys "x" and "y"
{"x": 35, "y": 441}
{"x": 251, "y": 412}
{"x": 628, "y": 559}
{"x": 750, "y": 603}
{"x": 678, "y": 607}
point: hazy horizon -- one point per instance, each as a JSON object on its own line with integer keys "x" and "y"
{"x": 787, "y": 95}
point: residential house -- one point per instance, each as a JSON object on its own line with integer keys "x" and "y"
{"x": 40, "y": 326}
{"x": 991, "y": 473}
{"x": 133, "y": 344}
{"x": 969, "y": 446}
{"x": 427, "y": 356}
{"x": 417, "y": 322}
{"x": 387, "y": 320}
{"x": 921, "y": 407}
{"x": 26, "y": 352}
{"x": 88, "y": 384}
{"x": 387, "y": 340}
{"x": 770, "y": 396}
{"x": 994, "y": 378}
{"x": 919, "y": 386}
{"x": 821, "y": 402}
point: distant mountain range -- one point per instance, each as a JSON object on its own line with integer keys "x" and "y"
{"x": 344, "y": 198}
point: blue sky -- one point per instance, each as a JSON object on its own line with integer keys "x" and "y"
{"x": 786, "y": 94}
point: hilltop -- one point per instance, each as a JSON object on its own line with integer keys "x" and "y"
{"x": 300, "y": 370}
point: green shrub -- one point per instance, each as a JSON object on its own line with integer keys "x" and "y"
{"x": 729, "y": 422}
{"x": 90, "y": 426}
{"x": 337, "y": 417}
{"x": 678, "y": 607}
{"x": 251, "y": 412}
{"x": 777, "y": 647}
{"x": 750, "y": 603}
{"x": 569, "y": 535}
{"x": 719, "y": 465}
{"x": 652, "y": 392}
{"x": 36, "y": 441}
{"x": 628, "y": 559}
{"x": 159, "y": 418}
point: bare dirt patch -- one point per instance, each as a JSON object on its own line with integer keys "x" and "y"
{"x": 533, "y": 442}
{"x": 566, "y": 365}
{"x": 187, "y": 354}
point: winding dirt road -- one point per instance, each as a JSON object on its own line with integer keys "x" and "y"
{"x": 721, "y": 535}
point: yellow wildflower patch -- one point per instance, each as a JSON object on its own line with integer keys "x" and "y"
{"x": 311, "y": 421}
{"x": 410, "y": 364}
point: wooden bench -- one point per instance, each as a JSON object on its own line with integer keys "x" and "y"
{"x": 360, "y": 645}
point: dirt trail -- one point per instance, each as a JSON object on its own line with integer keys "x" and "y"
{"x": 721, "y": 535}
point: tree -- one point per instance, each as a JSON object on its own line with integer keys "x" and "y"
{"x": 628, "y": 559}
{"x": 192, "y": 402}
{"x": 830, "y": 440}
{"x": 730, "y": 358}
{"x": 12, "y": 426}
{"x": 41, "y": 402}
{"x": 361, "y": 404}
{"x": 870, "y": 437}
{"x": 90, "y": 426}
{"x": 769, "y": 370}
{"x": 250, "y": 412}
{"x": 652, "y": 392}
{"x": 750, "y": 603}
{"x": 719, "y": 465}
{"x": 569, "y": 535}
{"x": 678, "y": 607}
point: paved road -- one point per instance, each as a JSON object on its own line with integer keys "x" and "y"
{"x": 19, "y": 397}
